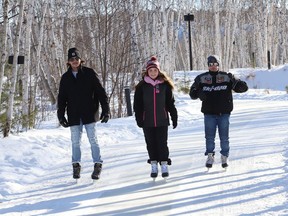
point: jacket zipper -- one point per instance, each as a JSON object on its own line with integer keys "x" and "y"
{"x": 155, "y": 115}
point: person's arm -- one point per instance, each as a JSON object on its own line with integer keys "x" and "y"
{"x": 101, "y": 95}
{"x": 170, "y": 104}
{"x": 62, "y": 104}
{"x": 195, "y": 90}
{"x": 238, "y": 85}
{"x": 138, "y": 105}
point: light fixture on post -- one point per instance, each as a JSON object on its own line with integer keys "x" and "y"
{"x": 189, "y": 17}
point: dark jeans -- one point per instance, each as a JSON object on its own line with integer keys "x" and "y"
{"x": 211, "y": 123}
{"x": 156, "y": 143}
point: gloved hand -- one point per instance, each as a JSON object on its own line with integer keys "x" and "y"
{"x": 140, "y": 124}
{"x": 240, "y": 87}
{"x": 233, "y": 80}
{"x": 104, "y": 117}
{"x": 202, "y": 96}
{"x": 231, "y": 76}
{"x": 174, "y": 123}
{"x": 63, "y": 121}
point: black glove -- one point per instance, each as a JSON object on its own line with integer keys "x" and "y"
{"x": 202, "y": 96}
{"x": 174, "y": 123}
{"x": 240, "y": 87}
{"x": 140, "y": 124}
{"x": 233, "y": 80}
{"x": 231, "y": 76}
{"x": 104, "y": 117}
{"x": 63, "y": 121}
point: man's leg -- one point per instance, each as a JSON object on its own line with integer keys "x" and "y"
{"x": 92, "y": 137}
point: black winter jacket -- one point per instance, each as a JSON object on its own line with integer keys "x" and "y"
{"x": 214, "y": 89}
{"x": 80, "y": 96}
{"x": 152, "y": 104}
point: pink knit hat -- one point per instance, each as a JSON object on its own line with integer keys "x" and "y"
{"x": 153, "y": 63}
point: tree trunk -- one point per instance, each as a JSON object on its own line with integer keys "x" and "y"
{"x": 5, "y": 4}
{"x": 25, "y": 78}
{"x": 218, "y": 43}
{"x": 9, "y": 114}
{"x": 134, "y": 16}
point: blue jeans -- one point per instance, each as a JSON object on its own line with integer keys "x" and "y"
{"x": 76, "y": 134}
{"x": 211, "y": 123}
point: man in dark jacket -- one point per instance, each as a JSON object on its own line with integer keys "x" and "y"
{"x": 80, "y": 92}
{"x": 214, "y": 89}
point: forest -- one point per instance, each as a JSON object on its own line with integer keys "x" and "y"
{"x": 117, "y": 37}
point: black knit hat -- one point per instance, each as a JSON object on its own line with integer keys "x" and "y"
{"x": 73, "y": 52}
{"x": 213, "y": 59}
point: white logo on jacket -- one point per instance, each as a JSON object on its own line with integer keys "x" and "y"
{"x": 215, "y": 88}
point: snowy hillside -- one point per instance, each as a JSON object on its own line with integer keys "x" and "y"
{"x": 36, "y": 171}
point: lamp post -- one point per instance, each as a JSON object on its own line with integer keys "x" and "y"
{"x": 189, "y": 17}
{"x": 128, "y": 100}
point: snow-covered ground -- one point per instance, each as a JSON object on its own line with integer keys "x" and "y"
{"x": 36, "y": 171}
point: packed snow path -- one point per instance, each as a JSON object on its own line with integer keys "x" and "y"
{"x": 36, "y": 174}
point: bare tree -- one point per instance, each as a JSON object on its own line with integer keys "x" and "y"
{"x": 281, "y": 41}
{"x": 217, "y": 45}
{"x": 10, "y": 107}
{"x": 230, "y": 25}
{"x": 133, "y": 9}
{"x": 116, "y": 38}
{"x": 26, "y": 75}
{"x": 5, "y": 4}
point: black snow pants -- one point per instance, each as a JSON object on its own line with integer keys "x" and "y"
{"x": 156, "y": 143}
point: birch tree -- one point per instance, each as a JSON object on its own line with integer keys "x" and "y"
{"x": 217, "y": 45}
{"x": 282, "y": 28}
{"x": 9, "y": 115}
{"x": 230, "y": 25}
{"x": 26, "y": 74}
{"x": 117, "y": 37}
{"x": 261, "y": 32}
{"x": 5, "y": 4}
{"x": 133, "y": 9}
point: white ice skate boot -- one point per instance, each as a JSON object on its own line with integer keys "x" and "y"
{"x": 164, "y": 169}
{"x": 154, "y": 169}
{"x": 210, "y": 160}
{"x": 224, "y": 161}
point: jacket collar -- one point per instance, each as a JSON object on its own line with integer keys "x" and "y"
{"x": 148, "y": 79}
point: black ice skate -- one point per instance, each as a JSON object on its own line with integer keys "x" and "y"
{"x": 97, "y": 171}
{"x": 76, "y": 170}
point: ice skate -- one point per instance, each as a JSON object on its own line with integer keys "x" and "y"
{"x": 76, "y": 170}
{"x": 164, "y": 169}
{"x": 97, "y": 171}
{"x": 224, "y": 161}
{"x": 210, "y": 160}
{"x": 154, "y": 169}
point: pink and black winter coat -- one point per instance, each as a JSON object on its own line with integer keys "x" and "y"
{"x": 153, "y": 100}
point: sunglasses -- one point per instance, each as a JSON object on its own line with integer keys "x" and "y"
{"x": 213, "y": 64}
{"x": 74, "y": 59}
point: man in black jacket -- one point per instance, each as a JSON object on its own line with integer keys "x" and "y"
{"x": 214, "y": 89}
{"x": 80, "y": 92}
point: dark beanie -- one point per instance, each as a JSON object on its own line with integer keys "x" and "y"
{"x": 213, "y": 59}
{"x": 73, "y": 52}
{"x": 153, "y": 63}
